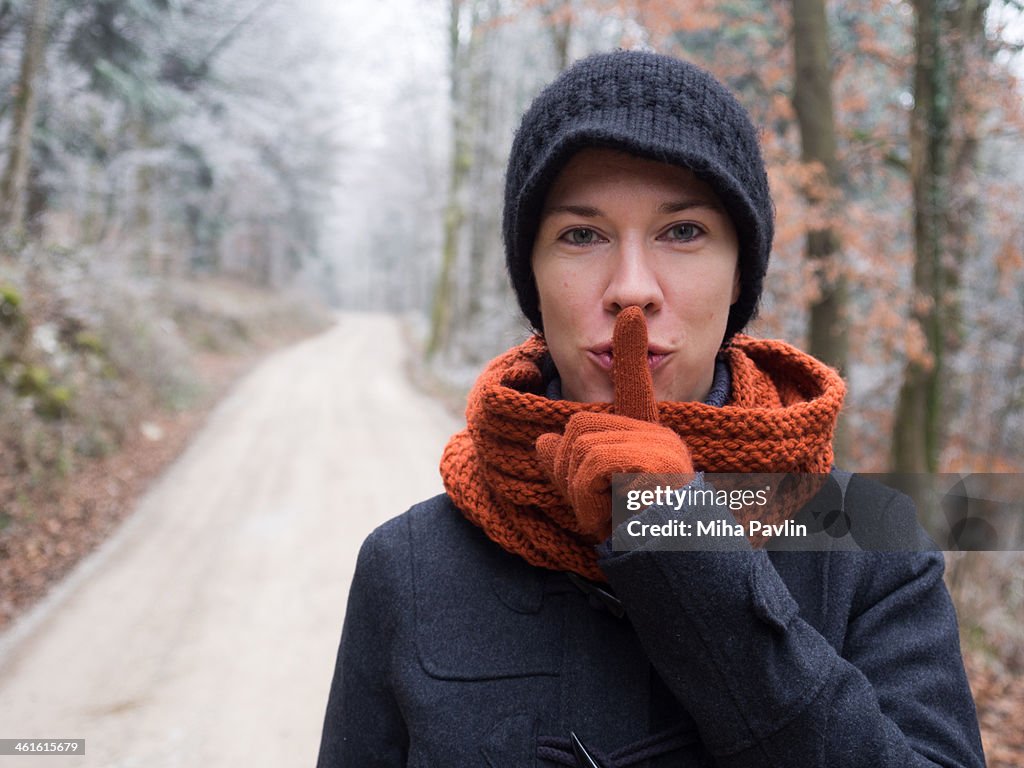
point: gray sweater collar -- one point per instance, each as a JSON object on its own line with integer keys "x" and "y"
{"x": 718, "y": 395}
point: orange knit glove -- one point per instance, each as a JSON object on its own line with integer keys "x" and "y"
{"x": 597, "y": 445}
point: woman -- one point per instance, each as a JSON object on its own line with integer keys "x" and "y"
{"x": 495, "y": 624}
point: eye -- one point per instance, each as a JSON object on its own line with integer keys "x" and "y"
{"x": 581, "y": 236}
{"x": 683, "y": 232}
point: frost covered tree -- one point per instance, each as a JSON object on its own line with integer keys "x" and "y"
{"x": 174, "y": 136}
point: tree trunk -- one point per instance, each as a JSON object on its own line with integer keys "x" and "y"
{"x": 812, "y": 100}
{"x": 967, "y": 50}
{"x": 13, "y": 196}
{"x": 442, "y": 310}
{"x": 143, "y": 204}
{"x": 559, "y": 17}
{"x": 916, "y": 438}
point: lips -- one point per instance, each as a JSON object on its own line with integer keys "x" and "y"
{"x": 602, "y": 356}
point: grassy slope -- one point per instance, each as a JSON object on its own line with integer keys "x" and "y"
{"x": 101, "y": 384}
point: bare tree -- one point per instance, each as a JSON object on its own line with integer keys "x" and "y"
{"x": 812, "y": 100}
{"x": 915, "y": 430}
{"x": 462, "y": 51}
{"x": 943, "y": 35}
{"x": 13, "y": 187}
{"x": 558, "y": 16}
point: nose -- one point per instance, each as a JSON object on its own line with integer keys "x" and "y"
{"x": 633, "y": 280}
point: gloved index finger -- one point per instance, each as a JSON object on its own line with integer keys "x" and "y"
{"x": 631, "y": 374}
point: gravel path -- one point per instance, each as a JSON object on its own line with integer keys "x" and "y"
{"x": 204, "y": 632}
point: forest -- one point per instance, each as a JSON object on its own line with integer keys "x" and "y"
{"x": 150, "y": 149}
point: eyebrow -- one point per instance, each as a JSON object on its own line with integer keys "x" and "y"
{"x": 589, "y": 211}
{"x": 682, "y": 205}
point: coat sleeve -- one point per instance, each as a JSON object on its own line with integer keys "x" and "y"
{"x": 767, "y": 689}
{"x": 363, "y": 725}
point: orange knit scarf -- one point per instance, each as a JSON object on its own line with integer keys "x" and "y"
{"x": 780, "y": 418}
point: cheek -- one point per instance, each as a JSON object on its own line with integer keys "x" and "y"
{"x": 707, "y": 292}
{"x": 542, "y": 280}
{"x": 558, "y": 309}
{"x": 558, "y": 291}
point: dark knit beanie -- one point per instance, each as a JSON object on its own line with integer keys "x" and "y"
{"x": 656, "y": 107}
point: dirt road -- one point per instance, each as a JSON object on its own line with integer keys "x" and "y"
{"x": 204, "y": 633}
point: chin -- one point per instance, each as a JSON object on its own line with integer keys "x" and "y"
{"x": 674, "y": 394}
{"x": 588, "y": 394}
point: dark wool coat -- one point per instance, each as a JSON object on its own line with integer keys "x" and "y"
{"x": 456, "y": 653}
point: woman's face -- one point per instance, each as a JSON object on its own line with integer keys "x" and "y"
{"x": 619, "y": 230}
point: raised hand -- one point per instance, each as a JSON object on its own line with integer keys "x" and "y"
{"x": 596, "y": 446}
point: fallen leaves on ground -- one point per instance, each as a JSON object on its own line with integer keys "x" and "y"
{"x": 51, "y": 529}
{"x": 999, "y": 695}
